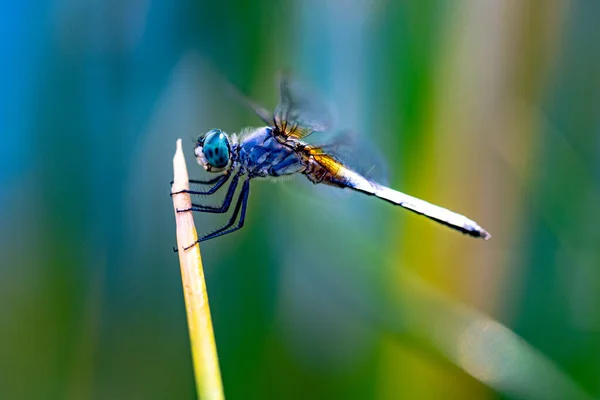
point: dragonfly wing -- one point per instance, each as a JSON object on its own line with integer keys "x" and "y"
{"x": 357, "y": 154}
{"x": 259, "y": 110}
{"x": 300, "y": 112}
{"x": 333, "y": 172}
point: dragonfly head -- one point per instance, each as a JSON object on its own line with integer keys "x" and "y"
{"x": 213, "y": 150}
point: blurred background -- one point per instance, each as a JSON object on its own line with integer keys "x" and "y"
{"x": 489, "y": 108}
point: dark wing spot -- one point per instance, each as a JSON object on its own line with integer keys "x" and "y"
{"x": 217, "y": 151}
{"x": 221, "y": 160}
{"x": 209, "y": 153}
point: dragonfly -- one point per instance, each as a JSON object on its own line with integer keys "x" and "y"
{"x": 279, "y": 149}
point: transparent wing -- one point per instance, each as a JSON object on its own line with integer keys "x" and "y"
{"x": 355, "y": 152}
{"x": 300, "y": 112}
{"x": 259, "y": 110}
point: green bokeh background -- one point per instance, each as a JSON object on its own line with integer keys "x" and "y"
{"x": 490, "y": 108}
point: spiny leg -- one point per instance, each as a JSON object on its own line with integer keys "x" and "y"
{"x": 226, "y": 202}
{"x": 241, "y": 203}
{"x": 208, "y": 182}
{"x": 219, "y": 181}
{"x": 222, "y": 209}
{"x": 242, "y": 200}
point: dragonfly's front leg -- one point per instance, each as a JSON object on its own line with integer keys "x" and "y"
{"x": 218, "y": 181}
{"x": 226, "y": 202}
{"x": 240, "y": 205}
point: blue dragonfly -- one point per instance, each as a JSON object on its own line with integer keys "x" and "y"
{"x": 278, "y": 149}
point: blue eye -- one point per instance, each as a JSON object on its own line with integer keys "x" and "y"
{"x": 216, "y": 148}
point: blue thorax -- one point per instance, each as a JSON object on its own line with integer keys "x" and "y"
{"x": 262, "y": 155}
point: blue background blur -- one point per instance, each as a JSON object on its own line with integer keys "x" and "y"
{"x": 489, "y": 108}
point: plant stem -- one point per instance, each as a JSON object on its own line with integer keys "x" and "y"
{"x": 204, "y": 350}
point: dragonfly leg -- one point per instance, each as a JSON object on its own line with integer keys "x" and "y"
{"x": 226, "y": 202}
{"x": 218, "y": 181}
{"x": 208, "y": 182}
{"x": 240, "y": 205}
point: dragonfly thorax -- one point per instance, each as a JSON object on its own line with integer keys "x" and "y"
{"x": 262, "y": 155}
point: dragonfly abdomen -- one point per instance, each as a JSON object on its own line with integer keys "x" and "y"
{"x": 323, "y": 168}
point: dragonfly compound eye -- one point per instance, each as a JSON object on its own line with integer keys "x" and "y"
{"x": 216, "y": 148}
